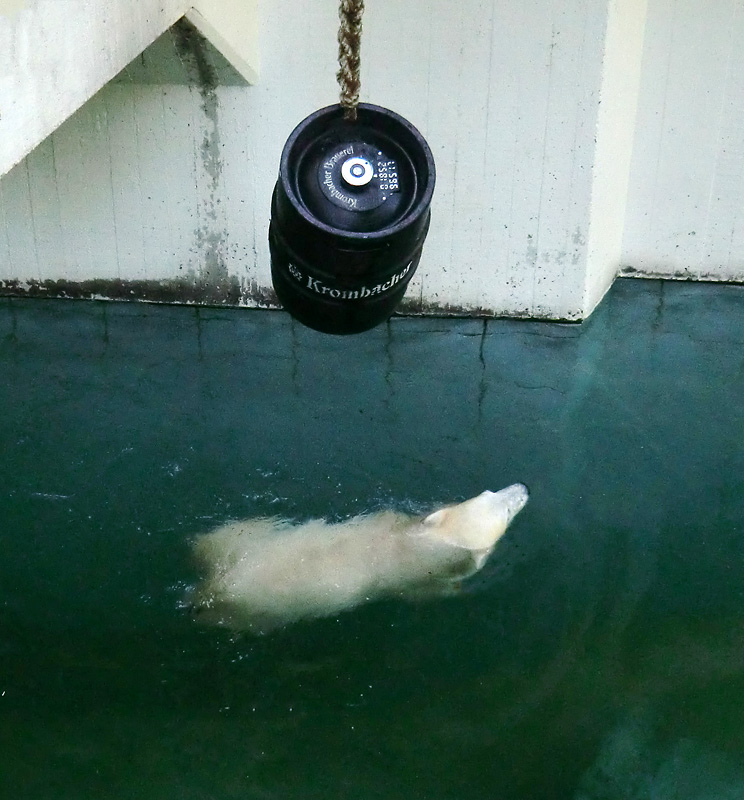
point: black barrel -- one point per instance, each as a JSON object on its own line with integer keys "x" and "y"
{"x": 349, "y": 215}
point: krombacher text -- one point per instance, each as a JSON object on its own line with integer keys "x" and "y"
{"x": 317, "y": 286}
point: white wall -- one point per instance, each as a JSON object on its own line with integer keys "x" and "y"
{"x": 54, "y": 55}
{"x": 685, "y": 213}
{"x": 615, "y": 137}
{"x": 157, "y": 181}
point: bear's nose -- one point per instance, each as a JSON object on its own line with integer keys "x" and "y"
{"x": 514, "y": 498}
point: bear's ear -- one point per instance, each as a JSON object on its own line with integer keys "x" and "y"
{"x": 436, "y": 519}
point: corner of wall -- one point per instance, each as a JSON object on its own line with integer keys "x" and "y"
{"x": 615, "y": 133}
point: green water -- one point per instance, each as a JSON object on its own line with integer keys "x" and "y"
{"x": 599, "y": 655}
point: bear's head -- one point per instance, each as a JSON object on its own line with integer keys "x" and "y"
{"x": 479, "y": 523}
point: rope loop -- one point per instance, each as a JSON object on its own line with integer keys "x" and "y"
{"x": 349, "y": 42}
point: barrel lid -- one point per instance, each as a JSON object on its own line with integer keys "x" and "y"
{"x": 363, "y": 179}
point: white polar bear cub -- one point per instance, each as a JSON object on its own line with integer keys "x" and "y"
{"x": 264, "y": 573}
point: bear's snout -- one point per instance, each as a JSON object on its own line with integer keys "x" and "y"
{"x": 513, "y": 499}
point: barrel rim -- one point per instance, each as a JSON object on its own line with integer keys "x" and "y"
{"x": 419, "y": 208}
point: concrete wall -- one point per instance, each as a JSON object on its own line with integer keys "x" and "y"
{"x": 159, "y": 186}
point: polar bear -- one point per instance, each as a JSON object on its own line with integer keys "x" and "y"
{"x": 261, "y": 574}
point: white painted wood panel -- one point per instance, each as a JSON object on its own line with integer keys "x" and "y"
{"x": 19, "y": 227}
{"x": 685, "y": 215}
{"x": 618, "y": 97}
{"x": 511, "y": 104}
{"x": 55, "y": 55}
{"x": 46, "y": 220}
{"x": 154, "y": 181}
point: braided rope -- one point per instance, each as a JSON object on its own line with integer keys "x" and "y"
{"x": 349, "y": 41}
